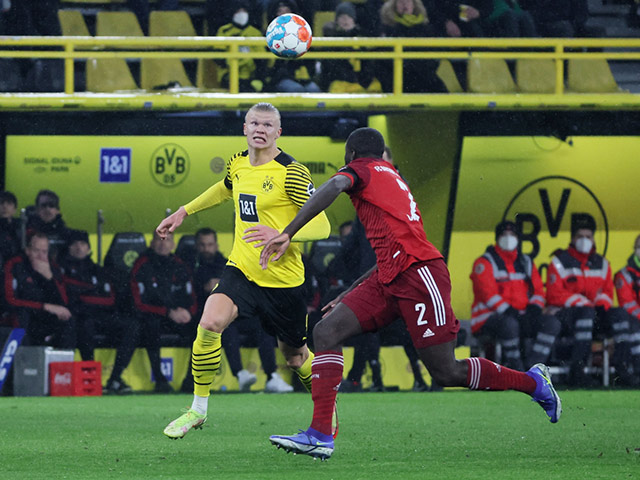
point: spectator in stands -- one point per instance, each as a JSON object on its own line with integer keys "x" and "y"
{"x": 141, "y": 8}
{"x": 250, "y": 72}
{"x": 10, "y": 231}
{"x": 410, "y": 18}
{"x": 34, "y": 291}
{"x": 580, "y": 284}
{"x": 164, "y": 300}
{"x": 562, "y": 19}
{"x": 219, "y": 12}
{"x": 47, "y": 219}
{"x": 347, "y": 76}
{"x": 33, "y": 17}
{"x": 464, "y": 18}
{"x": 304, "y": 8}
{"x": 508, "y": 19}
{"x": 93, "y": 300}
{"x": 509, "y": 300}
{"x": 627, "y": 283}
{"x": 285, "y": 75}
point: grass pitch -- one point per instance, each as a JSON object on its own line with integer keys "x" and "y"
{"x": 449, "y": 435}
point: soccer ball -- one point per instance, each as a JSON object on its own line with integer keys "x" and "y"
{"x": 289, "y": 36}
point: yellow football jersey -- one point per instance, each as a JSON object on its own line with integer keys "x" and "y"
{"x": 271, "y": 195}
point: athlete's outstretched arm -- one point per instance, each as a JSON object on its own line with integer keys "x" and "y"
{"x": 324, "y": 196}
{"x": 171, "y": 223}
{"x": 217, "y": 193}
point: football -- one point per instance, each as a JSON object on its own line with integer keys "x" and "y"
{"x": 289, "y": 36}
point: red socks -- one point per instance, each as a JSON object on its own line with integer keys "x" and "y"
{"x": 484, "y": 374}
{"x": 326, "y": 375}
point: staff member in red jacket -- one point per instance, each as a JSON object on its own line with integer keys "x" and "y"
{"x": 34, "y": 290}
{"x": 627, "y": 283}
{"x": 579, "y": 281}
{"x": 509, "y": 301}
{"x": 164, "y": 300}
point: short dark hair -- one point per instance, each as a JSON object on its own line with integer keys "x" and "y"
{"x": 36, "y": 234}
{"x": 507, "y": 225}
{"x": 8, "y": 197}
{"x": 207, "y": 231}
{"x": 580, "y": 222}
{"x": 366, "y": 142}
{"x": 49, "y": 194}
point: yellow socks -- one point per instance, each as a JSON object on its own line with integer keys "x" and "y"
{"x": 304, "y": 372}
{"x": 205, "y": 360}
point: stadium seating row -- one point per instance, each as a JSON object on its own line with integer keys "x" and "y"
{"x": 483, "y": 75}
{"x": 113, "y": 74}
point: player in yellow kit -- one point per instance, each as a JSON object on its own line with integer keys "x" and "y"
{"x": 268, "y": 188}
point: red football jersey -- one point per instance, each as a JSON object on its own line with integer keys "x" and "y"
{"x": 389, "y": 214}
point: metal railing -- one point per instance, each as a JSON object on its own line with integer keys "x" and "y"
{"x": 397, "y": 50}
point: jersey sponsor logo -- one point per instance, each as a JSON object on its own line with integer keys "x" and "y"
{"x": 247, "y": 206}
{"x": 267, "y": 184}
{"x": 170, "y": 165}
{"x": 115, "y": 165}
{"x": 428, "y": 333}
{"x": 554, "y": 202}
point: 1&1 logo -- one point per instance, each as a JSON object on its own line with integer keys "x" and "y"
{"x": 170, "y": 165}
{"x": 550, "y": 200}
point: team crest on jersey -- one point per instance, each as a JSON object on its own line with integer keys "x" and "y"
{"x": 479, "y": 268}
{"x": 311, "y": 189}
{"x": 619, "y": 282}
{"x": 267, "y": 184}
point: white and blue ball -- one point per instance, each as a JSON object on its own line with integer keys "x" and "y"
{"x": 289, "y": 36}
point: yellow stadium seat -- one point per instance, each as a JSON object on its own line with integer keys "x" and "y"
{"x": 319, "y": 19}
{"x": 590, "y": 76}
{"x": 207, "y": 76}
{"x": 536, "y": 75}
{"x": 109, "y": 75}
{"x": 72, "y": 23}
{"x": 448, "y": 76}
{"x": 489, "y": 75}
{"x": 170, "y": 24}
{"x": 158, "y": 72}
{"x": 117, "y": 24}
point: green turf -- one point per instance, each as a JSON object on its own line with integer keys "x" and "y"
{"x": 456, "y": 434}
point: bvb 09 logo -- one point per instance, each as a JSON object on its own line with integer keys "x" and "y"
{"x": 170, "y": 165}
{"x": 553, "y": 203}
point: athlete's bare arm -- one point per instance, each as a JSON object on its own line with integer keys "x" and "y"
{"x": 171, "y": 223}
{"x": 324, "y": 196}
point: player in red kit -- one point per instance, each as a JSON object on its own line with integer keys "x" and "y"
{"x": 410, "y": 280}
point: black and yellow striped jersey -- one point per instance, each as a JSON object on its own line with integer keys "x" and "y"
{"x": 270, "y": 194}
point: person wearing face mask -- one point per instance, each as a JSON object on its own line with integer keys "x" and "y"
{"x": 349, "y": 75}
{"x": 250, "y": 71}
{"x": 627, "y": 283}
{"x": 509, "y": 301}
{"x": 580, "y": 283}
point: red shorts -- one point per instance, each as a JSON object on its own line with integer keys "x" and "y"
{"x": 421, "y": 295}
